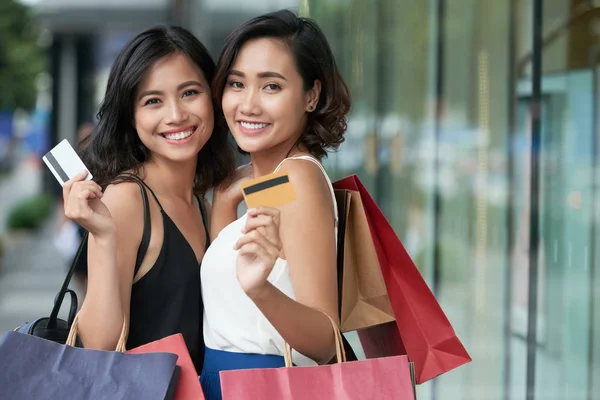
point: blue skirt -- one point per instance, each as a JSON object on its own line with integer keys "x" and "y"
{"x": 216, "y": 361}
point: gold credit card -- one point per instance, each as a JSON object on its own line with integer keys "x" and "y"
{"x": 271, "y": 190}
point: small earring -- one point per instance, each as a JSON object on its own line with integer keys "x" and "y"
{"x": 310, "y": 108}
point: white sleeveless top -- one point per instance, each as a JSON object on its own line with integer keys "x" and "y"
{"x": 232, "y": 322}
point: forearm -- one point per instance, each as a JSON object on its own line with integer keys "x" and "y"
{"x": 101, "y": 316}
{"x": 307, "y": 330}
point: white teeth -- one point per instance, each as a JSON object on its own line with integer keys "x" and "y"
{"x": 179, "y": 135}
{"x": 248, "y": 125}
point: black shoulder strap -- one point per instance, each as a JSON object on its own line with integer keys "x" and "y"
{"x": 82, "y": 250}
{"x": 145, "y": 242}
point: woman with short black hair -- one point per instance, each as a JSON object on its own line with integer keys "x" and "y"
{"x": 280, "y": 92}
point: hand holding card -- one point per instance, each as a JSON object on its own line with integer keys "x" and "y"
{"x": 83, "y": 204}
{"x": 271, "y": 190}
{"x": 64, "y": 163}
{"x": 81, "y": 196}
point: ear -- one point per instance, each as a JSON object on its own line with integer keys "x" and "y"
{"x": 312, "y": 96}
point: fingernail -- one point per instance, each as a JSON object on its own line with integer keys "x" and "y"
{"x": 251, "y": 210}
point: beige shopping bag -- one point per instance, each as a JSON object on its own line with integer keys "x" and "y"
{"x": 363, "y": 296}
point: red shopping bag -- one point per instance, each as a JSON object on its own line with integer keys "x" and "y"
{"x": 188, "y": 387}
{"x": 378, "y": 378}
{"x": 421, "y": 327}
{"x": 386, "y": 378}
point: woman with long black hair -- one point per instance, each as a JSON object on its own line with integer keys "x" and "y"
{"x": 156, "y": 125}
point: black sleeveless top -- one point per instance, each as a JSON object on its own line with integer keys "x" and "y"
{"x": 168, "y": 299}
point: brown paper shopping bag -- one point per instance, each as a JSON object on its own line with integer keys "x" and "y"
{"x": 363, "y": 296}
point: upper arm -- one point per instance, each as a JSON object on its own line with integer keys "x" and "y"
{"x": 124, "y": 202}
{"x": 307, "y": 232}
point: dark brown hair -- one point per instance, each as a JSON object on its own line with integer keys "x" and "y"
{"x": 114, "y": 146}
{"x": 314, "y": 61}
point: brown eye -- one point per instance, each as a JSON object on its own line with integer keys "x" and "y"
{"x": 236, "y": 84}
{"x": 190, "y": 92}
{"x": 273, "y": 86}
{"x": 152, "y": 101}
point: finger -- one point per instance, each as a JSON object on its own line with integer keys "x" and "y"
{"x": 88, "y": 185}
{"x": 256, "y": 237}
{"x": 246, "y": 238}
{"x": 78, "y": 209}
{"x": 258, "y": 251}
{"x": 252, "y": 249}
{"x": 68, "y": 185}
{"x": 85, "y": 194}
{"x": 88, "y": 192}
{"x": 77, "y": 178}
{"x": 270, "y": 211}
{"x": 66, "y": 191}
{"x": 271, "y": 233}
{"x": 96, "y": 190}
{"x": 265, "y": 221}
{"x": 267, "y": 247}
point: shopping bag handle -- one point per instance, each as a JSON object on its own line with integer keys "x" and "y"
{"x": 120, "y": 344}
{"x": 340, "y": 353}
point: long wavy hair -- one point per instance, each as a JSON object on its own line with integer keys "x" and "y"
{"x": 114, "y": 146}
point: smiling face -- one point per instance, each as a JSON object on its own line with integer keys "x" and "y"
{"x": 173, "y": 110}
{"x": 264, "y": 100}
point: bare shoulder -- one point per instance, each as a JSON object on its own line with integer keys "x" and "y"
{"x": 124, "y": 196}
{"x": 305, "y": 175}
{"x": 124, "y": 201}
{"x": 312, "y": 190}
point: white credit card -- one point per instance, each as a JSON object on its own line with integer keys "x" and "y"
{"x": 64, "y": 162}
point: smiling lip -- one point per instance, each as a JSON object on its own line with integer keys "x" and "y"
{"x": 179, "y": 136}
{"x": 252, "y": 127}
{"x": 177, "y": 130}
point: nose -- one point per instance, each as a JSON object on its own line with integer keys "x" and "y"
{"x": 177, "y": 113}
{"x": 249, "y": 104}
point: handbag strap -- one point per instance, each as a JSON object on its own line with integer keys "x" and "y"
{"x": 52, "y": 320}
{"x": 340, "y": 353}
{"x": 145, "y": 242}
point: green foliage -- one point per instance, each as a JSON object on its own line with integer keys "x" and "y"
{"x": 30, "y": 214}
{"x": 21, "y": 57}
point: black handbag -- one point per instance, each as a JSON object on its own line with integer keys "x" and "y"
{"x": 57, "y": 330}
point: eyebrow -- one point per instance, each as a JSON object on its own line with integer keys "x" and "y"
{"x": 159, "y": 92}
{"x": 266, "y": 74}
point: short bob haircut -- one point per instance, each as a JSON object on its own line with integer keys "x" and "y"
{"x": 314, "y": 60}
{"x": 114, "y": 146}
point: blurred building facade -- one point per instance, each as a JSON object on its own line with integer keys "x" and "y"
{"x": 440, "y": 133}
